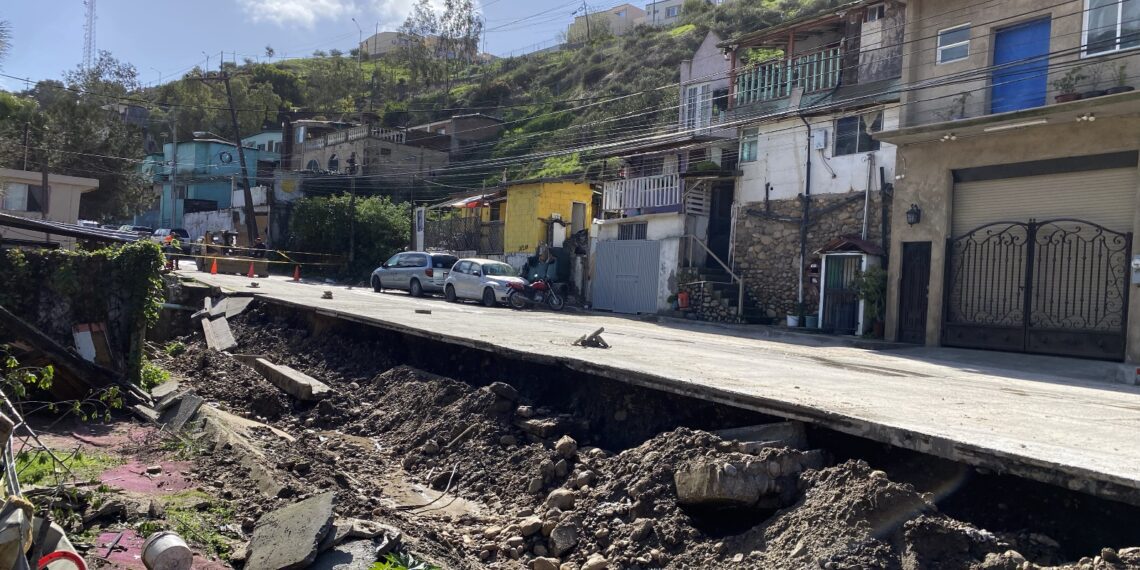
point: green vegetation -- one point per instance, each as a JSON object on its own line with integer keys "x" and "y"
{"x": 402, "y": 561}
{"x": 174, "y": 348}
{"x": 322, "y": 225}
{"x": 152, "y": 375}
{"x": 39, "y": 468}
{"x": 197, "y": 517}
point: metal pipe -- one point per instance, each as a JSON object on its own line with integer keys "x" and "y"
{"x": 804, "y": 221}
{"x": 867, "y": 192}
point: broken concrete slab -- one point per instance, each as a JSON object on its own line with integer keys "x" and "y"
{"x": 179, "y": 414}
{"x": 237, "y": 305}
{"x": 353, "y": 555}
{"x": 543, "y": 427}
{"x": 292, "y": 382}
{"x": 738, "y": 481}
{"x": 781, "y": 434}
{"x": 219, "y": 337}
{"x": 288, "y": 538}
{"x": 165, "y": 389}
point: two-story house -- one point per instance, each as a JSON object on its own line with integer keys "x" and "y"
{"x": 613, "y": 21}
{"x": 199, "y": 174}
{"x": 672, "y": 189}
{"x": 807, "y": 95}
{"x": 1017, "y": 178}
{"x": 384, "y": 156}
{"x": 22, "y": 194}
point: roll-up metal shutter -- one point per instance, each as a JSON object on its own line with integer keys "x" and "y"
{"x": 1106, "y": 197}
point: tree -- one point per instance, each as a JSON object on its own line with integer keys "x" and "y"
{"x": 419, "y": 29}
{"x": 5, "y": 38}
{"x": 269, "y": 52}
{"x": 459, "y": 30}
{"x": 80, "y": 127}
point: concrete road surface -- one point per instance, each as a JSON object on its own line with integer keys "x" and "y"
{"x": 1051, "y": 419}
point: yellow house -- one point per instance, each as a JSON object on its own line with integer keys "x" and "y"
{"x": 534, "y": 206}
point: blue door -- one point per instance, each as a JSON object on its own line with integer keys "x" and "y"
{"x": 1021, "y": 61}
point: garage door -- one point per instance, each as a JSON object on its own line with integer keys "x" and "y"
{"x": 1105, "y": 197}
{"x": 1040, "y": 264}
{"x": 625, "y": 276}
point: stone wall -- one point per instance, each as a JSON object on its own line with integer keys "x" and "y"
{"x": 767, "y": 245}
{"x": 704, "y": 306}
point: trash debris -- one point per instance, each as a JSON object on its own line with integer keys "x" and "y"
{"x": 423, "y": 311}
{"x": 592, "y": 340}
{"x": 165, "y": 550}
{"x": 326, "y": 295}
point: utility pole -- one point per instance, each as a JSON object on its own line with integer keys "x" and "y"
{"x": 586, "y": 14}
{"x": 352, "y": 220}
{"x": 250, "y": 221}
{"x": 27, "y": 133}
{"x": 173, "y": 171}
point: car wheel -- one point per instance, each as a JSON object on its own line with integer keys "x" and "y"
{"x": 489, "y": 298}
{"x": 449, "y": 294}
{"x": 376, "y": 284}
{"x": 415, "y": 289}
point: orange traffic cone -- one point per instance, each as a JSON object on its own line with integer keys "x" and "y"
{"x": 214, "y": 267}
{"x": 297, "y": 273}
{"x": 251, "y": 275}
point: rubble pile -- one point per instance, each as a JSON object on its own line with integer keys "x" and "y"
{"x": 498, "y": 481}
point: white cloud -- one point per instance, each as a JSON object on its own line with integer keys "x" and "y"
{"x": 304, "y": 13}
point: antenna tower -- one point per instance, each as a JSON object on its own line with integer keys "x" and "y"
{"x": 89, "y": 35}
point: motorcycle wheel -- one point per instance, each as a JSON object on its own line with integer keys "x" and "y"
{"x": 555, "y": 302}
{"x": 516, "y": 300}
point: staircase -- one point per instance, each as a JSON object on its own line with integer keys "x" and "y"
{"x": 724, "y": 290}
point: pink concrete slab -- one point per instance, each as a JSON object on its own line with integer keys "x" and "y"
{"x": 132, "y": 476}
{"x": 128, "y": 553}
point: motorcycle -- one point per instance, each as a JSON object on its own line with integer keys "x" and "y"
{"x": 540, "y": 292}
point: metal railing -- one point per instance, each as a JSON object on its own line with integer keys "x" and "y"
{"x": 642, "y": 192}
{"x": 356, "y": 133}
{"x": 771, "y": 80}
{"x": 735, "y": 278}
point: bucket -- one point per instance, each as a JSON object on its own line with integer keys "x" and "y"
{"x": 811, "y": 321}
{"x": 165, "y": 550}
{"x": 793, "y": 320}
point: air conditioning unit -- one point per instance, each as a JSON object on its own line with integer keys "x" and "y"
{"x": 819, "y": 139}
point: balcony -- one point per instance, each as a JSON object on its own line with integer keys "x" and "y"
{"x": 776, "y": 79}
{"x": 661, "y": 193}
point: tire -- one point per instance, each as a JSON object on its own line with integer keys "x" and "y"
{"x": 449, "y": 294}
{"x": 415, "y": 289}
{"x": 555, "y": 302}
{"x": 489, "y": 298}
{"x": 376, "y": 284}
{"x": 516, "y": 300}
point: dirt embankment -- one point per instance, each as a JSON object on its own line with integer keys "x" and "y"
{"x": 483, "y": 478}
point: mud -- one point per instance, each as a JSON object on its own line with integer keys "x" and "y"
{"x": 481, "y": 476}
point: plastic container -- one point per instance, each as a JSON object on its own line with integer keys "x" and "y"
{"x": 793, "y": 320}
{"x": 165, "y": 550}
{"x": 812, "y": 321}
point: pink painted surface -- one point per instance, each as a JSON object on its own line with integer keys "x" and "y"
{"x": 128, "y": 553}
{"x": 133, "y": 477}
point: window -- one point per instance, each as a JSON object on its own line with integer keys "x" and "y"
{"x": 1111, "y": 25}
{"x": 462, "y": 267}
{"x": 413, "y": 260}
{"x": 875, "y": 13}
{"x": 749, "y": 141}
{"x": 443, "y": 261}
{"x": 852, "y": 136}
{"x": 672, "y": 11}
{"x": 496, "y": 213}
{"x": 632, "y": 231}
{"x": 621, "y": 14}
{"x": 385, "y": 151}
{"x": 954, "y": 44}
{"x": 698, "y": 106}
{"x": 22, "y": 198}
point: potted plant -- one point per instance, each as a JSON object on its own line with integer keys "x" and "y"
{"x": 871, "y": 287}
{"x": 1120, "y": 78}
{"x": 1066, "y": 85}
{"x": 1096, "y": 72}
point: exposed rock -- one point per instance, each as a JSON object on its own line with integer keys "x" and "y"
{"x": 530, "y": 526}
{"x": 504, "y": 390}
{"x": 641, "y": 529}
{"x": 561, "y": 499}
{"x": 563, "y": 538}
{"x": 566, "y": 447}
{"x": 596, "y": 562}
{"x": 288, "y": 537}
{"x": 544, "y": 564}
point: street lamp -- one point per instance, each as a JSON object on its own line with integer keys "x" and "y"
{"x": 913, "y": 215}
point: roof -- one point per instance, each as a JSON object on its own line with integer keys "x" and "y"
{"x": 851, "y": 244}
{"x": 28, "y": 176}
{"x": 66, "y": 229}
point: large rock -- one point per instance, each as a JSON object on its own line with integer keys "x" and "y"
{"x": 543, "y": 563}
{"x": 562, "y": 499}
{"x": 353, "y": 555}
{"x": 596, "y": 562}
{"x": 563, "y": 538}
{"x": 288, "y": 538}
{"x": 735, "y": 484}
{"x": 566, "y": 447}
{"x": 780, "y": 434}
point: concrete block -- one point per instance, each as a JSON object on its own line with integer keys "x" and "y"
{"x": 287, "y": 539}
{"x": 179, "y": 414}
{"x": 354, "y": 555}
{"x": 782, "y": 434}
{"x": 219, "y": 337}
{"x": 1127, "y": 373}
{"x": 296, "y": 384}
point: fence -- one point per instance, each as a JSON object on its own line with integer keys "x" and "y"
{"x": 464, "y": 234}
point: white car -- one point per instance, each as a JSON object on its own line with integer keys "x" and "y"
{"x": 482, "y": 280}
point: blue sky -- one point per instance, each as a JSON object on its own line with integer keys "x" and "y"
{"x": 169, "y": 38}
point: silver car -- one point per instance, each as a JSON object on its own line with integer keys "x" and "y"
{"x": 481, "y": 280}
{"x": 416, "y": 272}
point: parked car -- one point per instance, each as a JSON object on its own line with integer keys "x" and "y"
{"x": 159, "y": 237}
{"x": 482, "y": 280}
{"x": 141, "y": 230}
{"x": 416, "y": 272}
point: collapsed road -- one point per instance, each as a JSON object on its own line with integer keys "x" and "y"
{"x": 509, "y": 463}
{"x": 1049, "y": 419}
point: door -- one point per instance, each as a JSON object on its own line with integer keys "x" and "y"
{"x": 914, "y": 289}
{"x": 1021, "y": 66}
{"x": 577, "y": 217}
{"x": 458, "y": 276}
{"x": 840, "y": 298}
{"x": 388, "y": 274}
{"x": 471, "y": 281}
{"x": 720, "y": 224}
{"x": 625, "y": 276}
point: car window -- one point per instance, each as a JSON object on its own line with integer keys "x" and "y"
{"x": 418, "y": 260}
{"x": 393, "y": 261}
{"x": 461, "y": 267}
{"x": 499, "y": 270}
{"x": 443, "y": 261}
{"x": 475, "y": 269}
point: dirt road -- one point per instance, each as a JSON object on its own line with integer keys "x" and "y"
{"x": 1037, "y": 417}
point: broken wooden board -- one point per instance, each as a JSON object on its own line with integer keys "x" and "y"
{"x": 292, "y": 382}
{"x": 219, "y": 337}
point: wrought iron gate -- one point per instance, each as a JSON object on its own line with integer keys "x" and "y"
{"x": 1054, "y": 287}
{"x": 840, "y": 298}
